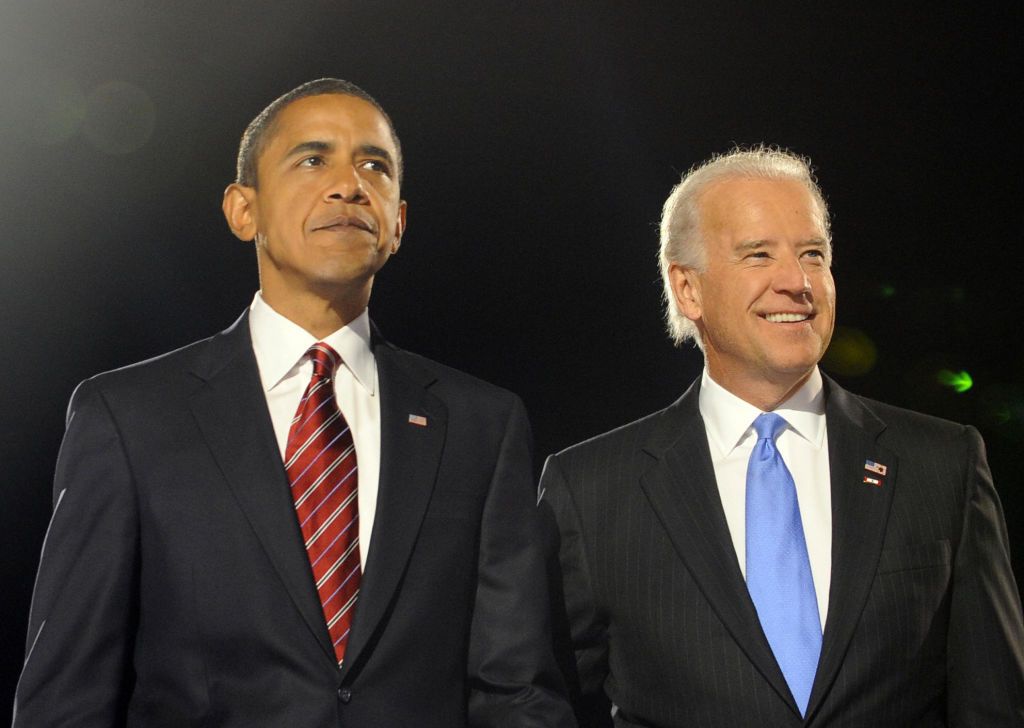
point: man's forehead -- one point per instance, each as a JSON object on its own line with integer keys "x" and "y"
{"x": 325, "y": 117}
{"x": 746, "y": 191}
{"x": 750, "y": 208}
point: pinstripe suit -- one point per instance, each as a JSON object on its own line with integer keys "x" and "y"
{"x": 924, "y": 625}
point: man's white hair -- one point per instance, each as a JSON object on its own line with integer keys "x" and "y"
{"x": 681, "y": 241}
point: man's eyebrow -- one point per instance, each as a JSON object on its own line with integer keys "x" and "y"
{"x": 310, "y": 146}
{"x": 372, "y": 150}
{"x": 745, "y": 246}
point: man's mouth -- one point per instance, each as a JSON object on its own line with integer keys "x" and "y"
{"x": 344, "y": 221}
{"x": 786, "y": 318}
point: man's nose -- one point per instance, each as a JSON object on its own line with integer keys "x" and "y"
{"x": 791, "y": 277}
{"x": 346, "y": 184}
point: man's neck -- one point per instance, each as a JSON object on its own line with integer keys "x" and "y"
{"x": 765, "y": 393}
{"x": 320, "y": 317}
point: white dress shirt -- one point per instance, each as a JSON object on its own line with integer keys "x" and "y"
{"x": 728, "y": 422}
{"x": 280, "y": 347}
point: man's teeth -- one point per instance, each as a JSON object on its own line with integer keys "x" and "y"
{"x": 786, "y": 318}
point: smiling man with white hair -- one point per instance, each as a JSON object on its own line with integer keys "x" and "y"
{"x": 772, "y": 550}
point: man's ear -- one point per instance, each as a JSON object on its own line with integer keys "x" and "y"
{"x": 686, "y": 291}
{"x": 238, "y": 211}
{"x": 399, "y": 227}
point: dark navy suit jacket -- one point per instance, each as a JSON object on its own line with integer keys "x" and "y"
{"x": 174, "y": 589}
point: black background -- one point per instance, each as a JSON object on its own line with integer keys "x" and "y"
{"x": 541, "y": 139}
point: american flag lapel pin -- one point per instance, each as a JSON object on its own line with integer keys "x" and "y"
{"x": 875, "y": 469}
{"x": 872, "y": 466}
{"x": 418, "y": 420}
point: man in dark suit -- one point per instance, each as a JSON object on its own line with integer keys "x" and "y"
{"x": 771, "y": 550}
{"x": 176, "y": 585}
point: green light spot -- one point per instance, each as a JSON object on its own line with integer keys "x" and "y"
{"x": 887, "y": 291}
{"x": 959, "y": 382}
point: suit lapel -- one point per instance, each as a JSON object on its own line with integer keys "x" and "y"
{"x": 233, "y": 417}
{"x": 410, "y": 456}
{"x": 860, "y": 513}
{"x": 683, "y": 492}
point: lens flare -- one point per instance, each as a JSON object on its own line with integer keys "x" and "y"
{"x": 959, "y": 382}
{"x": 852, "y": 353}
{"x": 119, "y": 118}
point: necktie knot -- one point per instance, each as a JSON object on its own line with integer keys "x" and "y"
{"x": 769, "y": 426}
{"x": 325, "y": 360}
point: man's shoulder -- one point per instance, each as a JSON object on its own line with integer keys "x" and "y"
{"x": 170, "y": 375}
{"x": 155, "y": 367}
{"x": 442, "y": 379}
{"x": 621, "y": 452}
{"x": 901, "y": 422}
{"x": 653, "y": 433}
{"x": 630, "y": 435}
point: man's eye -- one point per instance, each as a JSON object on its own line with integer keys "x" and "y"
{"x": 817, "y": 254}
{"x": 315, "y": 161}
{"x": 376, "y": 165}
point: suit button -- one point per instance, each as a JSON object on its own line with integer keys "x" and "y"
{"x": 344, "y": 695}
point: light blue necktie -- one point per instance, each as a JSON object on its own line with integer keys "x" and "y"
{"x": 778, "y": 569}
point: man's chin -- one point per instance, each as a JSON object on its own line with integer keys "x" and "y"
{"x": 329, "y": 284}
{"x": 791, "y": 373}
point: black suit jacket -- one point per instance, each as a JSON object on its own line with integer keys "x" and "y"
{"x": 924, "y": 622}
{"x": 174, "y": 589}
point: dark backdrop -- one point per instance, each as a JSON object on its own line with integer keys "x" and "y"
{"x": 541, "y": 139}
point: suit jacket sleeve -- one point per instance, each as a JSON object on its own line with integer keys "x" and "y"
{"x": 581, "y": 637}
{"x": 986, "y": 637}
{"x": 78, "y": 660}
{"x": 512, "y": 675}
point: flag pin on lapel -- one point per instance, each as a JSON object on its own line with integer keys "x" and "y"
{"x": 418, "y": 420}
{"x": 876, "y": 468}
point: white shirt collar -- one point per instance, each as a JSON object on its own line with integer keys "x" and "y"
{"x": 727, "y": 418}
{"x": 280, "y": 345}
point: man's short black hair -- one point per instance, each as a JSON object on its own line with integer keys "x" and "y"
{"x": 258, "y": 132}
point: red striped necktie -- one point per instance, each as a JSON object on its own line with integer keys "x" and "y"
{"x": 320, "y": 459}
